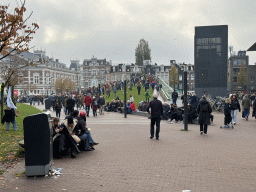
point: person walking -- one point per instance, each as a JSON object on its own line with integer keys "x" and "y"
{"x": 234, "y": 107}
{"x": 139, "y": 88}
{"x": 254, "y": 108}
{"x": 247, "y": 104}
{"x": 174, "y": 97}
{"x": 101, "y": 103}
{"x": 204, "y": 109}
{"x": 156, "y": 114}
{"x": 58, "y": 107}
{"x": 147, "y": 96}
{"x": 87, "y": 102}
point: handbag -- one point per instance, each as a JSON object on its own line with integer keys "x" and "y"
{"x": 76, "y": 138}
{"x": 17, "y": 113}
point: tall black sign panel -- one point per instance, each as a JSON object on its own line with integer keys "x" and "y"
{"x": 211, "y": 60}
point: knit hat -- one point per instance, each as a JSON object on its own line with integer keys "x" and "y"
{"x": 82, "y": 114}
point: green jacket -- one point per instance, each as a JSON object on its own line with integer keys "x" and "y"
{"x": 246, "y": 103}
{"x": 65, "y": 102}
{"x": 147, "y": 96}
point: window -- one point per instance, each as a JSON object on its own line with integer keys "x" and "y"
{"x": 192, "y": 76}
{"x": 157, "y": 69}
{"x": 182, "y": 68}
{"x": 234, "y": 79}
{"x": 107, "y": 78}
{"x": 187, "y": 76}
{"x": 180, "y": 77}
{"x": 252, "y": 79}
{"x": 102, "y": 73}
{"x": 189, "y": 68}
{"x": 36, "y": 78}
{"x": 86, "y": 73}
{"x": 166, "y": 78}
{"x": 192, "y": 86}
{"x": 94, "y": 72}
{"x": 113, "y": 78}
{"x": 114, "y": 69}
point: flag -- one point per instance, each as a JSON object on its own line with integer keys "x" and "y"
{"x": 9, "y": 100}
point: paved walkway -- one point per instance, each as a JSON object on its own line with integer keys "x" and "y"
{"x": 127, "y": 160}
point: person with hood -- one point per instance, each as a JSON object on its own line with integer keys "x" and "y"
{"x": 204, "y": 109}
{"x": 234, "y": 107}
{"x": 87, "y": 102}
{"x": 246, "y": 104}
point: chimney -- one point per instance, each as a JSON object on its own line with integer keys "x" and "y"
{"x": 57, "y": 60}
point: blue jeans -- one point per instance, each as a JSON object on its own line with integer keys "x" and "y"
{"x": 14, "y": 126}
{"x": 85, "y": 138}
{"x": 87, "y": 109}
{"x": 94, "y": 113}
{"x": 174, "y": 101}
{"x": 233, "y": 114}
{"x": 88, "y": 133}
{"x": 38, "y": 102}
{"x": 246, "y": 112}
{"x": 64, "y": 108}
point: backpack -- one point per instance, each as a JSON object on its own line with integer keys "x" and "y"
{"x": 204, "y": 108}
{"x": 95, "y": 103}
{"x": 146, "y": 94}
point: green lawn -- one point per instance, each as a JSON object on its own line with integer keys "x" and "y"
{"x": 9, "y": 139}
{"x": 134, "y": 93}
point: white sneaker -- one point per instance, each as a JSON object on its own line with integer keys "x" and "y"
{"x": 205, "y": 133}
{"x": 169, "y": 119}
{"x": 201, "y": 132}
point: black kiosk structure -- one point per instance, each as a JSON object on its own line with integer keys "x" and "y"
{"x": 38, "y": 142}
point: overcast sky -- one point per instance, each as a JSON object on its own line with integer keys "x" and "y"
{"x": 111, "y": 29}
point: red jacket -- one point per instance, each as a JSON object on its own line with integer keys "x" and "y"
{"x": 132, "y": 106}
{"x": 94, "y": 107}
{"x": 87, "y": 100}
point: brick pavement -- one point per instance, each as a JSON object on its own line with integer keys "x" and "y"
{"x": 127, "y": 160}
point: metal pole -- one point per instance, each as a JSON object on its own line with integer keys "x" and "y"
{"x": 125, "y": 111}
{"x": 185, "y": 101}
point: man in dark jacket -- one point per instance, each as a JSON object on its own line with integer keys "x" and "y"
{"x": 70, "y": 105}
{"x": 174, "y": 97}
{"x": 204, "y": 109}
{"x": 101, "y": 103}
{"x": 156, "y": 113}
{"x": 139, "y": 88}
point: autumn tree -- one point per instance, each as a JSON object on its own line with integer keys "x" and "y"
{"x": 142, "y": 52}
{"x": 62, "y": 85}
{"x": 15, "y": 34}
{"x": 173, "y": 76}
{"x": 242, "y": 77}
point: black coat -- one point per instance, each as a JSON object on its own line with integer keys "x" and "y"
{"x": 235, "y": 105}
{"x": 71, "y": 103}
{"x": 156, "y": 109}
{"x": 204, "y": 117}
{"x": 9, "y": 116}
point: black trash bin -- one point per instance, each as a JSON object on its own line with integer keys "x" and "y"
{"x": 38, "y": 144}
{"x": 47, "y": 104}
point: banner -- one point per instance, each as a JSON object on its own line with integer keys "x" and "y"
{"x": 9, "y": 100}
